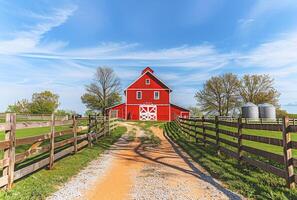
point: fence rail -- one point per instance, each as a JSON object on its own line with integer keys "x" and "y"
{"x": 226, "y": 136}
{"x": 43, "y": 150}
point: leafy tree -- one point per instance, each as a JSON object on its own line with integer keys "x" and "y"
{"x": 281, "y": 113}
{"x": 65, "y": 112}
{"x": 230, "y": 85}
{"x": 90, "y": 112}
{"x": 22, "y": 106}
{"x": 195, "y": 111}
{"x": 258, "y": 89}
{"x": 219, "y": 94}
{"x": 103, "y": 92}
{"x": 44, "y": 102}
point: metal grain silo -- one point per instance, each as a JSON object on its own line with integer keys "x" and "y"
{"x": 250, "y": 110}
{"x": 267, "y": 111}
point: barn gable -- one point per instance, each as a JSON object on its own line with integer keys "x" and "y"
{"x": 143, "y": 83}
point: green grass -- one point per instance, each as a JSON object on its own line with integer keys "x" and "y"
{"x": 150, "y": 139}
{"x": 43, "y": 183}
{"x": 257, "y": 145}
{"x": 247, "y": 180}
{"x": 145, "y": 125}
{"x": 21, "y": 133}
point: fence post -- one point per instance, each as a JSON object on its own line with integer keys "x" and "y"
{"x": 203, "y": 131}
{"x": 52, "y": 142}
{"x": 217, "y": 135}
{"x": 288, "y": 159}
{"x": 195, "y": 126}
{"x": 89, "y": 125}
{"x": 180, "y": 126}
{"x": 239, "y": 139}
{"x": 96, "y": 128}
{"x": 108, "y": 125}
{"x": 9, "y": 153}
{"x": 74, "y": 130}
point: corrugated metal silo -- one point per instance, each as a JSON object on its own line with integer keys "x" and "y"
{"x": 267, "y": 111}
{"x": 250, "y": 110}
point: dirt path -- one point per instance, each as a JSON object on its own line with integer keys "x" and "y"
{"x": 134, "y": 172}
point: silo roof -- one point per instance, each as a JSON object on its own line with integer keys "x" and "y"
{"x": 249, "y": 104}
{"x": 266, "y": 105}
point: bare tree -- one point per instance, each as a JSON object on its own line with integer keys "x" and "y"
{"x": 219, "y": 94}
{"x": 258, "y": 89}
{"x": 104, "y": 91}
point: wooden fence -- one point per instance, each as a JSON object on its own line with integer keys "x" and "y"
{"x": 43, "y": 150}
{"x": 227, "y": 137}
{"x": 36, "y": 117}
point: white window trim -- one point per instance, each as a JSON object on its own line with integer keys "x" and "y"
{"x": 156, "y": 92}
{"x": 138, "y": 92}
{"x": 147, "y": 81}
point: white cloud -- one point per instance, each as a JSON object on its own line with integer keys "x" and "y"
{"x": 279, "y": 55}
{"x": 26, "y": 41}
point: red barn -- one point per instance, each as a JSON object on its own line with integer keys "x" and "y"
{"x": 147, "y": 98}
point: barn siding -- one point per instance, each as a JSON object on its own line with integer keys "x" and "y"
{"x": 176, "y": 111}
{"x": 163, "y": 113}
{"x": 147, "y": 97}
{"x": 132, "y": 112}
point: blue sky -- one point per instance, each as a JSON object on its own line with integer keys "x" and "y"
{"x": 56, "y": 45}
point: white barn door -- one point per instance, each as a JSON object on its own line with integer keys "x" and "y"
{"x": 147, "y": 112}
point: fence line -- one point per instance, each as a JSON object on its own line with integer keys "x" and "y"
{"x": 215, "y": 132}
{"x": 49, "y": 147}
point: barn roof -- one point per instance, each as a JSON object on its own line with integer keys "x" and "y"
{"x": 179, "y": 107}
{"x": 151, "y": 72}
{"x": 114, "y": 105}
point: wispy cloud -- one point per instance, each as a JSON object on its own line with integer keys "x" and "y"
{"x": 279, "y": 53}
{"x": 28, "y": 41}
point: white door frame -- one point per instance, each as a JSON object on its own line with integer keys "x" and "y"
{"x": 148, "y": 112}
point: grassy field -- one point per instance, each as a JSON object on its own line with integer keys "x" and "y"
{"x": 247, "y": 180}
{"x": 21, "y": 133}
{"x": 257, "y": 145}
{"x": 43, "y": 183}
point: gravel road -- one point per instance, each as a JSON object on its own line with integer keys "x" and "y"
{"x": 128, "y": 171}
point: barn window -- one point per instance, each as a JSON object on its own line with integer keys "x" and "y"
{"x": 156, "y": 95}
{"x": 138, "y": 95}
{"x": 147, "y": 81}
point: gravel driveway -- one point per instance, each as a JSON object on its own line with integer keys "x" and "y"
{"x": 128, "y": 171}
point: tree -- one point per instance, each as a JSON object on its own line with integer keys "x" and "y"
{"x": 44, "y": 102}
{"x": 258, "y": 89}
{"x": 230, "y": 86}
{"x": 195, "y": 111}
{"x": 219, "y": 94}
{"x": 281, "y": 113}
{"x": 103, "y": 92}
{"x": 65, "y": 112}
{"x": 22, "y": 106}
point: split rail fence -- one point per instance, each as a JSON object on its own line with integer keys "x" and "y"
{"x": 23, "y": 156}
{"x": 227, "y": 137}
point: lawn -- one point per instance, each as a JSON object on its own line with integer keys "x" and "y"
{"x": 43, "y": 183}
{"x": 247, "y": 180}
{"x": 21, "y": 133}
{"x": 257, "y": 145}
